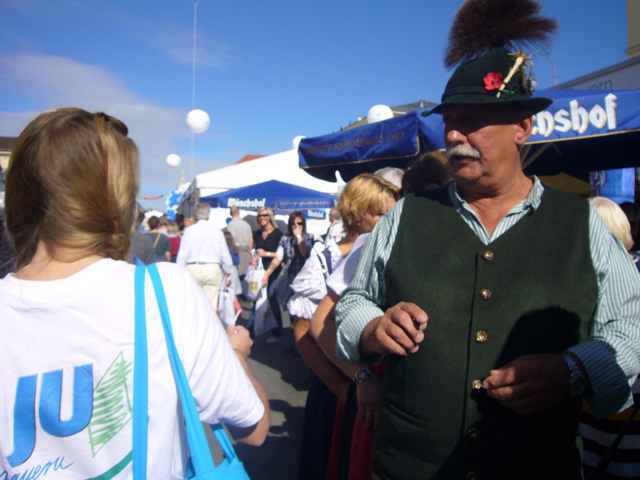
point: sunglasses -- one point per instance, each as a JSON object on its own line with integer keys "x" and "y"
{"x": 299, "y": 223}
{"x": 262, "y": 215}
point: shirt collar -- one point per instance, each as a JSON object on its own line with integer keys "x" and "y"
{"x": 533, "y": 199}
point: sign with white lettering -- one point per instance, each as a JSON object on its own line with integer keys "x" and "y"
{"x": 281, "y": 197}
{"x": 582, "y": 131}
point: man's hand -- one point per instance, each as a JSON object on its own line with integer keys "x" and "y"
{"x": 240, "y": 340}
{"x": 261, "y": 252}
{"x": 368, "y": 396}
{"x": 398, "y": 332}
{"x": 530, "y": 384}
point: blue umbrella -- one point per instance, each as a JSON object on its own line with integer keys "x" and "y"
{"x": 280, "y": 196}
{"x": 582, "y": 131}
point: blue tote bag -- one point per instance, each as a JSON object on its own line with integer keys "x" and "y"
{"x": 201, "y": 464}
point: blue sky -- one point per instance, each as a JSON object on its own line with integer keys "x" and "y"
{"x": 266, "y": 71}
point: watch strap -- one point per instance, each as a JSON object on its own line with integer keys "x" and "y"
{"x": 362, "y": 374}
{"x": 577, "y": 381}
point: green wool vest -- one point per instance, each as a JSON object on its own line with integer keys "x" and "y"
{"x": 533, "y": 290}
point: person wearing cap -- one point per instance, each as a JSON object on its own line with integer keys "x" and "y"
{"x": 501, "y": 304}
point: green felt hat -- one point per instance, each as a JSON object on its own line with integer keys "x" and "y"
{"x": 496, "y": 78}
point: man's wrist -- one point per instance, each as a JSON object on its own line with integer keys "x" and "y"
{"x": 577, "y": 377}
{"x": 367, "y": 343}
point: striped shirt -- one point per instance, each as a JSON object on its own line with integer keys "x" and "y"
{"x": 611, "y": 355}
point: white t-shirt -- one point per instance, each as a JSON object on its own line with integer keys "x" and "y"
{"x": 309, "y": 286}
{"x": 72, "y": 340}
{"x": 339, "y": 280}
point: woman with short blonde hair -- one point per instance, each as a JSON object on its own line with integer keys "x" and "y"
{"x": 365, "y": 193}
{"x": 614, "y": 218}
{"x": 265, "y": 242}
{"x": 362, "y": 203}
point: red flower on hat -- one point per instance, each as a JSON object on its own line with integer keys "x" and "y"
{"x": 492, "y": 81}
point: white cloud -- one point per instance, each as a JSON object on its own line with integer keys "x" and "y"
{"x": 176, "y": 43}
{"x": 44, "y": 8}
{"x": 60, "y": 81}
{"x": 55, "y": 81}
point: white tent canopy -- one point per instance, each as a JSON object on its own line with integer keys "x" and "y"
{"x": 280, "y": 166}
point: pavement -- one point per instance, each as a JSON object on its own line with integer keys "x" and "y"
{"x": 284, "y": 376}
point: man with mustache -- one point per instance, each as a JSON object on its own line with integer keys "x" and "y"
{"x": 500, "y": 304}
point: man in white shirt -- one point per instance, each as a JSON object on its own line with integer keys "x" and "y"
{"x": 203, "y": 250}
{"x": 336, "y": 229}
{"x": 243, "y": 238}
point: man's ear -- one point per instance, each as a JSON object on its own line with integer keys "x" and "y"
{"x": 524, "y": 127}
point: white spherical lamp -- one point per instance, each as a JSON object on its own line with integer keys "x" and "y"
{"x": 377, "y": 113}
{"x": 296, "y": 141}
{"x": 198, "y": 120}
{"x": 173, "y": 160}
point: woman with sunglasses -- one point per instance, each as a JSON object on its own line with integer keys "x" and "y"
{"x": 265, "y": 241}
{"x": 292, "y": 252}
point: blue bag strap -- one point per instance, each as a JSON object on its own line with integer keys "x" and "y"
{"x": 225, "y": 443}
{"x": 140, "y": 380}
{"x": 198, "y": 447}
{"x": 327, "y": 255}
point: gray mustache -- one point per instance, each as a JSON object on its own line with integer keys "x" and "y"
{"x": 462, "y": 151}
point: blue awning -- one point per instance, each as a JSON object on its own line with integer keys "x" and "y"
{"x": 583, "y": 130}
{"x": 280, "y": 196}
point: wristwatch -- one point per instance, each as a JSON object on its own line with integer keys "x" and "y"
{"x": 298, "y": 236}
{"x": 577, "y": 382}
{"x": 361, "y": 375}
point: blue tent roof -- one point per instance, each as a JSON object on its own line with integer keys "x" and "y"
{"x": 582, "y": 131}
{"x": 280, "y": 196}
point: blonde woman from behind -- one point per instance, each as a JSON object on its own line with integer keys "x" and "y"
{"x": 67, "y": 317}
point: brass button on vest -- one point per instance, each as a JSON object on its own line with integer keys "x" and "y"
{"x": 473, "y": 434}
{"x": 485, "y": 293}
{"x": 481, "y": 337}
{"x": 476, "y": 385}
{"x": 487, "y": 255}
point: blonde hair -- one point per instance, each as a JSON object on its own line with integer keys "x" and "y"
{"x": 72, "y": 184}
{"x": 364, "y": 193}
{"x": 272, "y": 218}
{"x": 614, "y": 218}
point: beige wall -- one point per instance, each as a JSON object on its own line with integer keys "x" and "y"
{"x": 4, "y": 161}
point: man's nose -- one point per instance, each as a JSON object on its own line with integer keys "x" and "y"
{"x": 454, "y": 136}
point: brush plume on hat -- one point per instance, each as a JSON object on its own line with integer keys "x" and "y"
{"x": 481, "y": 38}
{"x": 480, "y": 25}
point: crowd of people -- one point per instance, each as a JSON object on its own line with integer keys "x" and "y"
{"x": 460, "y": 319}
